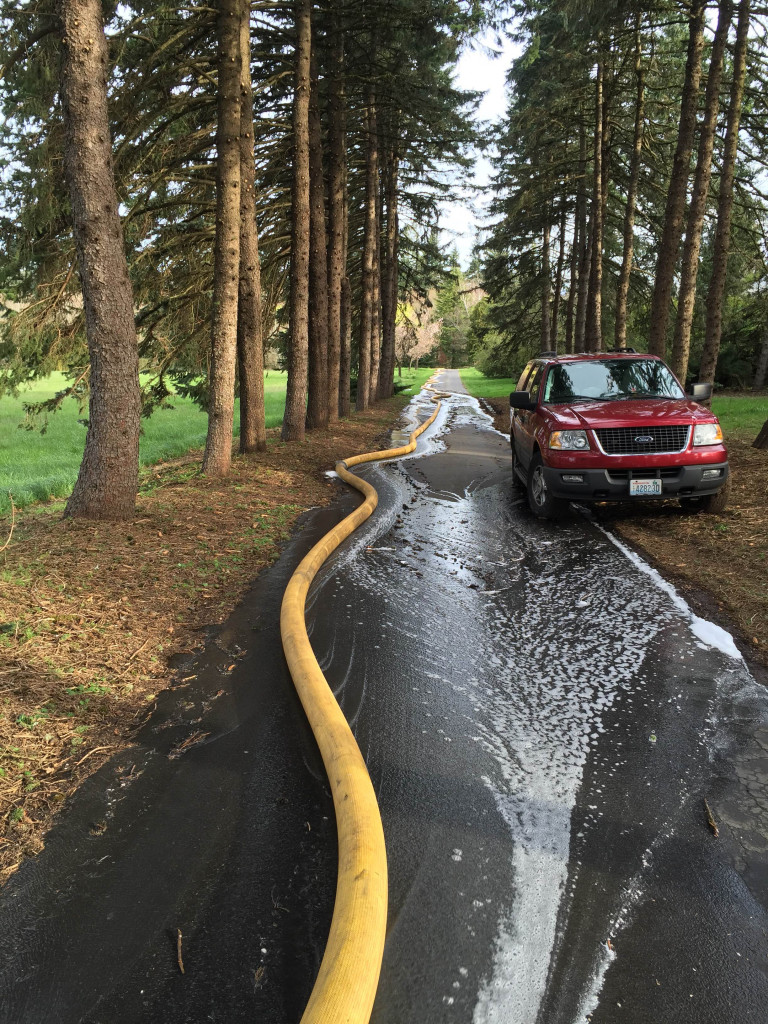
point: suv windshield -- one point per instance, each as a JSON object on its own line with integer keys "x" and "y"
{"x": 604, "y": 380}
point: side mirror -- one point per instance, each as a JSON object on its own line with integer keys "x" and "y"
{"x": 701, "y": 392}
{"x": 521, "y": 400}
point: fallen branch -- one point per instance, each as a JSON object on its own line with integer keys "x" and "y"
{"x": 13, "y": 522}
{"x": 178, "y": 950}
{"x": 94, "y": 750}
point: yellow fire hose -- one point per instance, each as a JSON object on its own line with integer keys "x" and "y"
{"x": 349, "y": 973}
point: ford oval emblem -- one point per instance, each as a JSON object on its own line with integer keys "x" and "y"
{"x": 644, "y": 439}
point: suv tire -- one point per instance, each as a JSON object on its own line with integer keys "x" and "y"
{"x": 712, "y": 503}
{"x": 540, "y": 501}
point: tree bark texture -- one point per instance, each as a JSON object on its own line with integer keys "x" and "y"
{"x": 594, "y": 329}
{"x": 217, "y": 457}
{"x": 762, "y": 364}
{"x": 345, "y": 363}
{"x": 546, "y": 289}
{"x": 722, "y": 242}
{"x": 570, "y": 307}
{"x": 389, "y": 278}
{"x": 369, "y": 244}
{"x": 337, "y": 153}
{"x": 622, "y": 289}
{"x": 584, "y": 255}
{"x": 108, "y": 479}
{"x": 678, "y": 185}
{"x": 558, "y": 285}
{"x": 376, "y": 299}
{"x": 250, "y": 343}
{"x": 317, "y": 404}
{"x": 681, "y": 345}
{"x": 296, "y": 390}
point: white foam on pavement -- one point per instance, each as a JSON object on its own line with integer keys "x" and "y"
{"x": 710, "y": 634}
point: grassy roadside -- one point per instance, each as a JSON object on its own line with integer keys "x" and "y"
{"x": 90, "y": 612}
{"x": 36, "y": 466}
{"x": 719, "y": 561}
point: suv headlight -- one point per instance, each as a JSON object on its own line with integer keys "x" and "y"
{"x": 707, "y": 433}
{"x": 570, "y": 440}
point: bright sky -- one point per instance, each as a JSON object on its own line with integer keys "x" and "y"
{"x": 477, "y": 70}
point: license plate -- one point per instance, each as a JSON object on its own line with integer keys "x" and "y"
{"x": 644, "y": 488}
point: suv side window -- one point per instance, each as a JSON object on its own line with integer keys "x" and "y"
{"x": 532, "y": 386}
{"x": 523, "y": 377}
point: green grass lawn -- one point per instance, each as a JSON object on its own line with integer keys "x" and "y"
{"x": 35, "y": 466}
{"x": 480, "y": 386}
{"x": 412, "y": 381}
{"x": 741, "y": 416}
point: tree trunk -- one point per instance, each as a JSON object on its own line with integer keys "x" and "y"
{"x": 681, "y": 345}
{"x": 250, "y": 344}
{"x": 574, "y": 268}
{"x": 678, "y": 185}
{"x": 317, "y": 404}
{"x": 622, "y": 289}
{"x": 369, "y": 245}
{"x": 296, "y": 390}
{"x": 108, "y": 479}
{"x": 226, "y": 263}
{"x": 762, "y": 364}
{"x": 584, "y": 253}
{"x": 761, "y": 441}
{"x": 594, "y": 329}
{"x": 558, "y": 285}
{"x": 546, "y": 288}
{"x": 389, "y": 279}
{"x": 337, "y": 117}
{"x": 345, "y": 367}
{"x": 722, "y": 243}
{"x": 376, "y": 298}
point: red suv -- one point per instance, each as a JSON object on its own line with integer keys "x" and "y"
{"x": 614, "y": 426}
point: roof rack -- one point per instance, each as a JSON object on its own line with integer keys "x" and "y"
{"x": 547, "y": 354}
{"x": 627, "y": 349}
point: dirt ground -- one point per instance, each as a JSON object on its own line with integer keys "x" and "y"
{"x": 720, "y": 562}
{"x": 90, "y": 613}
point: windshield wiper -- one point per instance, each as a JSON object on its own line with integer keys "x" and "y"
{"x": 649, "y": 394}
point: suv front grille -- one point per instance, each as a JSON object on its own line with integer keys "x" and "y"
{"x": 625, "y": 440}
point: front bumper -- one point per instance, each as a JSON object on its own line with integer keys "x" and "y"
{"x": 613, "y": 484}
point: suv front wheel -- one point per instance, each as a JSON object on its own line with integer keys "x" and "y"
{"x": 712, "y": 503}
{"x": 540, "y": 500}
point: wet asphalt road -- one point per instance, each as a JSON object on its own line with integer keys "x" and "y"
{"x": 542, "y": 720}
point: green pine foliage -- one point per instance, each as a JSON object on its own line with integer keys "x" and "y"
{"x": 542, "y": 171}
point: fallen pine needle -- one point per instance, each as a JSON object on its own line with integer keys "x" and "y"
{"x": 711, "y": 819}
{"x": 196, "y": 737}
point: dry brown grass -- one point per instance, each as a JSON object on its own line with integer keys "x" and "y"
{"x": 91, "y": 612}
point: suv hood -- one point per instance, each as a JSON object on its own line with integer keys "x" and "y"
{"x": 624, "y": 412}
